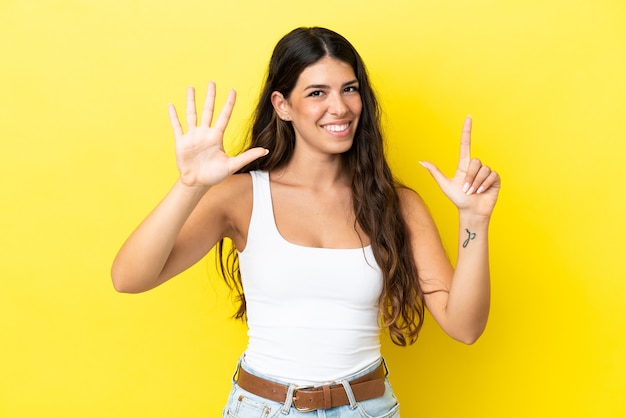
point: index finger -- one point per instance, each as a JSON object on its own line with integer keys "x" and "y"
{"x": 227, "y": 110}
{"x": 466, "y": 140}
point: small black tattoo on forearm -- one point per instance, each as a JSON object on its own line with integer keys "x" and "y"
{"x": 470, "y": 236}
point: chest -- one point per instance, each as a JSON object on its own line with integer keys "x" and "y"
{"x": 317, "y": 219}
{"x": 282, "y": 273}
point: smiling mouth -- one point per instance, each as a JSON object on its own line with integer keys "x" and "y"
{"x": 337, "y": 128}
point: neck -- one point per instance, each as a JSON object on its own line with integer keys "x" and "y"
{"x": 313, "y": 172}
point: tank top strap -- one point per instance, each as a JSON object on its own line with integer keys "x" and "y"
{"x": 262, "y": 224}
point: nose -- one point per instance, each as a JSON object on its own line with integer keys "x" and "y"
{"x": 337, "y": 105}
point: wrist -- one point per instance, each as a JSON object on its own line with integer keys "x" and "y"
{"x": 469, "y": 218}
{"x": 192, "y": 190}
{"x": 473, "y": 230}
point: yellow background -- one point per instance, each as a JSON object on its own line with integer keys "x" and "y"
{"x": 87, "y": 151}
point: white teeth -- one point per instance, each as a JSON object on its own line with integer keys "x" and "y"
{"x": 337, "y": 128}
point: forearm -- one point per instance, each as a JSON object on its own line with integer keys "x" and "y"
{"x": 141, "y": 259}
{"x": 469, "y": 298}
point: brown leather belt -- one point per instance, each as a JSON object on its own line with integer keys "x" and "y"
{"x": 369, "y": 386}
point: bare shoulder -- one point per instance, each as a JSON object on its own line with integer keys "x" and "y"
{"x": 232, "y": 199}
{"x": 234, "y": 186}
{"x": 413, "y": 207}
{"x": 230, "y": 194}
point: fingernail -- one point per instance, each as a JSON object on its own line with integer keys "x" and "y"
{"x": 480, "y": 189}
{"x": 466, "y": 187}
{"x": 470, "y": 191}
{"x": 422, "y": 164}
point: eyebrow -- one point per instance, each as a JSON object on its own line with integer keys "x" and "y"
{"x": 325, "y": 86}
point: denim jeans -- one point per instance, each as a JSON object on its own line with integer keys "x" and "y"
{"x": 243, "y": 404}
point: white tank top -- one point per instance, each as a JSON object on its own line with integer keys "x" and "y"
{"x": 312, "y": 312}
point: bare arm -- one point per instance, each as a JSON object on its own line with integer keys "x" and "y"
{"x": 140, "y": 263}
{"x": 193, "y": 216}
{"x": 457, "y": 298}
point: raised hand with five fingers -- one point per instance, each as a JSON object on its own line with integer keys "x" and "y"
{"x": 200, "y": 154}
{"x": 474, "y": 187}
{"x": 175, "y": 235}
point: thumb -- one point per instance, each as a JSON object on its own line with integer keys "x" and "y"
{"x": 434, "y": 171}
{"x": 247, "y": 157}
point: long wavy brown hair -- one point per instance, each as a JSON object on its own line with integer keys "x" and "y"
{"x": 374, "y": 190}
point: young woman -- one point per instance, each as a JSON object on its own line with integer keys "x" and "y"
{"x": 328, "y": 247}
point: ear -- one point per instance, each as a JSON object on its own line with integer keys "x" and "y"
{"x": 281, "y": 106}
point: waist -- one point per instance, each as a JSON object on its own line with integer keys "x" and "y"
{"x": 312, "y": 346}
{"x": 301, "y": 358}
{"x": 367, "y": 383}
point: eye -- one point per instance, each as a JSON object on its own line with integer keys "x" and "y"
{"x": 351, "y": 89}
{"x": 316, "y": 93}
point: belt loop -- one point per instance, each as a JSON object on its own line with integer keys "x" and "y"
{"x": 386, "y": 368}
{"x": 289, "y": 401}
{"x": 328, "y": 402}
{"x": 236, "y": 371}
{"x": 348, "y": 389}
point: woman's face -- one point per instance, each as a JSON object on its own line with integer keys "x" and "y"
{"x": 324, "y": 107}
